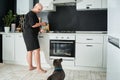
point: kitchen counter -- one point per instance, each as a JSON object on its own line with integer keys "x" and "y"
{"x": 76, "y": 32}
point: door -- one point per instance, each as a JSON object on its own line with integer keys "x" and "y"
{"x": 88, "y": 4}
{"x": 47, "y": 5}
{"x": 20, "y": 49}
{"x": 8, "y": 47}
{"x": 89, "y": 55}
{"x": 113, "y": 53}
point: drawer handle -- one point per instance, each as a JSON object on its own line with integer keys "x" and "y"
{"x": 40, "y": 36}
{"x": 8, "y": 36}
{"x": 89, "y": 45}
{"x": 89, "y": 39}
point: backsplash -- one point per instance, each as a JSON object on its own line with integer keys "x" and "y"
{"x": 43, "y": 15}
{"x": 67, "y": 18}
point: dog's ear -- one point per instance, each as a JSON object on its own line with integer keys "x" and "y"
{"x": 54, "y": 62}
{"x": 60, "y": 59}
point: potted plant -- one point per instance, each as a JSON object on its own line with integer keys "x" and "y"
{"x": 8, "y": 19}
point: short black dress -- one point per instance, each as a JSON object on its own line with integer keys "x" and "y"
{"x": 30, "y": 34}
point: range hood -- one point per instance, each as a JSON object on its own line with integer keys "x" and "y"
{"x": 63, "y": 1}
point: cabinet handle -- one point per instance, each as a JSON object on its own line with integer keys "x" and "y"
{"x": 89, "y": 39}
{"x": 8, "y": 36}
{"x": 89, "y": 45}
{"x": 41, "y": 37}
{"x": 87, "y": 7}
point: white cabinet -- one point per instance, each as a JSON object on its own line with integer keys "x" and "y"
{"x": 63, "y": 1}
{"x": 91, "y": 4}
{"x": 44, "y": 49}
{"x": 24, "y": 6}
{"x": 20, "y": 49}
{"x": 105, "y": 51}
{"x": 89, "y": 55}
{"x": 8, "y": 47}
{"x": 104, "y": 3}
{"x": 47, "y": 5}
{"x": 89, "y": 50}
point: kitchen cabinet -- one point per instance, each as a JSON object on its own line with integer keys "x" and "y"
{"x": 91, "y": 4}
{"x": 63, "y": 1}
{"x": 47, "y": 5}
{"x": 20, "y": 50}
{"x": 8, "y": 47}
{"x": 104, "y": 3}
{"x": 44, "y": 48}
{"x": 24, "y": 6}
{"x": 105, "y": 51}
{"x": 89, "y": 50}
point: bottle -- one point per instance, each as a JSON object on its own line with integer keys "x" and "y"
{"x": 13, "y": 27}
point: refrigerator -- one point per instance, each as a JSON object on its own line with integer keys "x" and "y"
{"x": 113, "y": 46}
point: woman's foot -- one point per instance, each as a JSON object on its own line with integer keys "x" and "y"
{"x": 41, "y": 70}
{"x": 32, "y": 68}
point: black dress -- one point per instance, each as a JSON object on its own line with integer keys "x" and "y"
{"x": 30, "y": 34}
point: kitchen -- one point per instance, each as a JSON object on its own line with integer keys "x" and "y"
{"x": 88, "y": 40}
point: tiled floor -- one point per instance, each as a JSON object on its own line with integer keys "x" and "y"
{"x": 18, "y": 72}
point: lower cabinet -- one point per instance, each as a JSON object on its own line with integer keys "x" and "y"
{"x": 20, "y": 50}
{"x": 14, "y": 49}
{"x": 89, "y": 55}
{"x": 91, "y": 50}
{"x": 44, "y": 49}
{"x": 8, "y": 47}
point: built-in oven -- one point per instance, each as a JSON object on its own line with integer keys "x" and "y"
{"x": 62, "y": 46}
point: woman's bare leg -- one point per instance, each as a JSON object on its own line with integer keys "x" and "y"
{"x": 29, "y": 60}
{"x": 38, "y": 61}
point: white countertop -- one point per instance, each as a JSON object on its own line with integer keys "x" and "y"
{"x": 76, "y": 32}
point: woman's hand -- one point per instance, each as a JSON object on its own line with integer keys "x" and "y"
{"x": 39, "y": 24}
{"x": 43, "y": 23}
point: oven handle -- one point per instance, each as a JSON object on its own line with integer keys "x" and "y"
{"x": 61, "y": 42}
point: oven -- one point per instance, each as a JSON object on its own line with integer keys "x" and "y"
{"x": 62, "y": 46}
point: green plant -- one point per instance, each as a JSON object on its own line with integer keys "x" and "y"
{"x": 10, "y": 17}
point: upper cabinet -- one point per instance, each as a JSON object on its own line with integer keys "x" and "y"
{"x": 24, "y": 6}
{"x": 91, "y": 4}
{"x": 47, "y": 5}
{"x": 63, "y": 1}
{"x": 104, "y": 3}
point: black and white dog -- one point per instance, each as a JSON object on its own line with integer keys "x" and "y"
{"x": 58, "y": 73}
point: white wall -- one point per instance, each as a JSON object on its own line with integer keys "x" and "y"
{"x": 113, "y": 16}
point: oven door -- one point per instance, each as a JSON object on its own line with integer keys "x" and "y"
{"x": 62, "y": 48}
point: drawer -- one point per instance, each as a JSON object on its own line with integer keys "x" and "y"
{"x": 89, "y": 39}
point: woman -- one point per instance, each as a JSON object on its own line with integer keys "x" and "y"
{"x": 30, "y": 35}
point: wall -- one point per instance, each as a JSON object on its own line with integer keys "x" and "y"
{"x": 5, "y": 5}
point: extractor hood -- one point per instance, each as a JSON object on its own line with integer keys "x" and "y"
{"x": 63, "y": 1}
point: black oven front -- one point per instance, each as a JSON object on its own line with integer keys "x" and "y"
{"x": 62, "y": 48}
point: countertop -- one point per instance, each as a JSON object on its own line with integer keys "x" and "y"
{"x": 76, "y": 32}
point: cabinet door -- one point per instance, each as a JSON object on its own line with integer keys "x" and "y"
{"x": 8, "y": 47}
{"x": 104, "y": 3}
{"x": 88, "y": 4}
{"x": 20, "y": 50}
{"x": 43, "y": 40}
{"x": 63, "y": 1}
{"x": 47, "y": 5}
{"x": 89, "y": 55}
{"x": 24, "y": 6}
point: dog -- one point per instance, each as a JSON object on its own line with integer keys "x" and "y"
{"x": 58, "y": 73}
